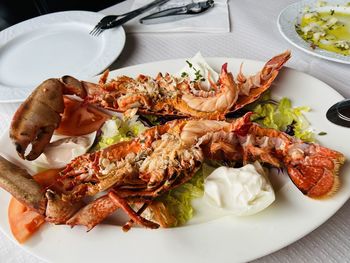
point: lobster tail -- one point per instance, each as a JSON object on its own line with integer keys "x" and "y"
{"x": 312, "y": 168}
{"x": 252, "y": 87}
{"x": 316, "y": 175}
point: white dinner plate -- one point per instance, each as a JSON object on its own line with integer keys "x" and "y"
{"x": 207, "y": 240}
{"x": 290, "y": 16}
{"x": 51, "y": 46}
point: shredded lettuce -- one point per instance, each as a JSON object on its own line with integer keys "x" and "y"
{"x": 174, "y": 208}
{"x": 282, "y": 116}
{"x": 178, "y": 200}
{"x": 117, "y": 130}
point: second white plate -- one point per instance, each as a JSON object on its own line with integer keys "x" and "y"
{"x": 51, "y": 46}
{"x": 289, "y": 17}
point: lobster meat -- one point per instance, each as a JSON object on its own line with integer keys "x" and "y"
{"x": 133, "y": 174}
{"x": 36, "y": 119}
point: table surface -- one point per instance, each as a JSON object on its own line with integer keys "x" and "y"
{"x": 253, "y": 35}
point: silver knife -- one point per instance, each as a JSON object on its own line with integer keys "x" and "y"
{"x": 176, "y": 13}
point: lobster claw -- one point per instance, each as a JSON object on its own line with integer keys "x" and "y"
{"x": 36, "y": 119}
{"x": 40, "y": 114}
{"x": 21, "y": 185}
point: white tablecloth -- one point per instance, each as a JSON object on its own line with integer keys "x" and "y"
{"x": 253, "y": 35}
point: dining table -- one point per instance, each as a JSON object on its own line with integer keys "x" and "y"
{"x": 253, "y": 34}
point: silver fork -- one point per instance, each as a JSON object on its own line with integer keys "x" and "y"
{"x": 97, "y": 30}
{"x": 116, "y": 20}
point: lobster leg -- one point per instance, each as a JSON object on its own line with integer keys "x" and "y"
{"x": 92, "y": 214}
{"x": 133, "y": 215}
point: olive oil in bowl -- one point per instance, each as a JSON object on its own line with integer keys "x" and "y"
{"x": 326, "y": 29}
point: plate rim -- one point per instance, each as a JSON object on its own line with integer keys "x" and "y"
{"x": 101, "y": 63}
{"x": 304, "y": 46}
{"x": 246, "y": 61}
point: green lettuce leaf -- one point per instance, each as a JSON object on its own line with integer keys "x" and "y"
{"x": 282, "y": 116}
{"x": 178, "y": 200}
{"x": 118, "y": 130}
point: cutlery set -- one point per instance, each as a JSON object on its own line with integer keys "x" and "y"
{"x": 111, "y": 21}
{"x": 177, "y": 13}
{"x": 167, "y": 15}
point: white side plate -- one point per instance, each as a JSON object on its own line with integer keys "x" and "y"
{"x": 51, "y": 46}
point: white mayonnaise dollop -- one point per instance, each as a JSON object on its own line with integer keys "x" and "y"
{"x": 62, "y": 149}
{"x": 198, "y": 64}
{"x": 239, "y": 191}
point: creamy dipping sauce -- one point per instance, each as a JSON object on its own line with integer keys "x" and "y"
{"x": 62, "y": 149}
{"x": 238, "y": 191}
